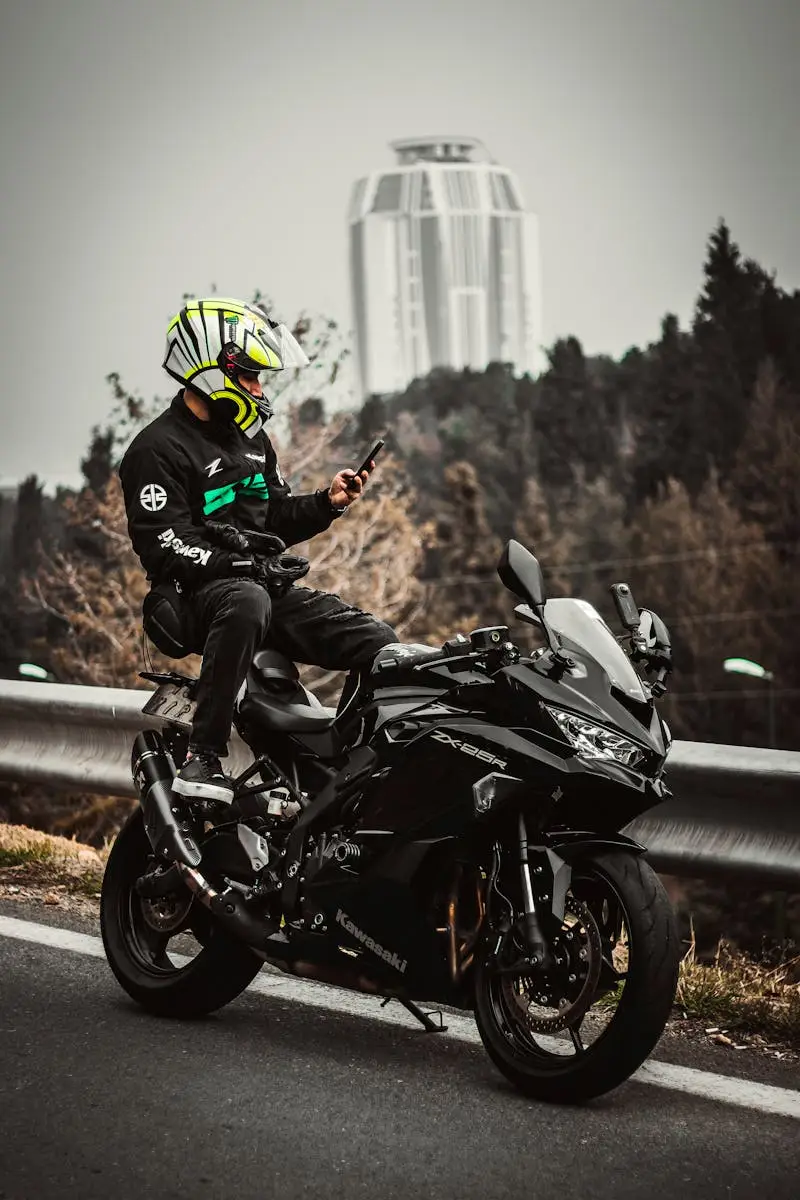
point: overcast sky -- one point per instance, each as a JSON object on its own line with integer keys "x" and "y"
{"x": 152, "y": 148}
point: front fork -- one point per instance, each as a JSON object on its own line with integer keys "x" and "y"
{"x": 553, "y": 877}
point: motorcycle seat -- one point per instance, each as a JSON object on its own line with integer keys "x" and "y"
{"x": 270, "y": 713}
{"x": 276, "y": 699}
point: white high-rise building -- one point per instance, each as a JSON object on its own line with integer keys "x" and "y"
{"x": 444, "y": 266}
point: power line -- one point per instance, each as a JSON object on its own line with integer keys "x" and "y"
{"x": 717, "y": 618}
{"x": 650, "y": 561}
{"x": 714, "y": 618}
{"x": 743, "y": 694}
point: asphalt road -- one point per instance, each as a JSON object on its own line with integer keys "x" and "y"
{"x": 272, "y": 1097}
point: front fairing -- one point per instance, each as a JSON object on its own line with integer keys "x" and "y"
{"x": 586, "y": 690}
{"x": 433, "y": 750}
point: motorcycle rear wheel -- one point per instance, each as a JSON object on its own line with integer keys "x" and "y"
{"x": 537, "y": 1065}
{"x": 137, "y": 953}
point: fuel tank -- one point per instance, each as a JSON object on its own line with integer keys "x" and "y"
{"x": 432, "y": 731}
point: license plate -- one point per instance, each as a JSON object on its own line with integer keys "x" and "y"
{"x": 171, "y": 703}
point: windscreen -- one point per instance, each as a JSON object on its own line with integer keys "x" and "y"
{"x": 582, "y": 624}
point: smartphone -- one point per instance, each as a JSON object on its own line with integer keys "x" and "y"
{"x": 374, "y": 452}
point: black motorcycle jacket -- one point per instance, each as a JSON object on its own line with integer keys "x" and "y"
{"x": 180, "y": 471}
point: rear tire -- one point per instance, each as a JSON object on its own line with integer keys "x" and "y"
{"x": 643, "y": 1009}
{"x": 218, "y": 974}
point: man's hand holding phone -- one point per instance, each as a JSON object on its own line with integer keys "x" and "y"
{"x": 348, "y": 485}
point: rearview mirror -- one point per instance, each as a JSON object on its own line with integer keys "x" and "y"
{"x": 520, "y": 572}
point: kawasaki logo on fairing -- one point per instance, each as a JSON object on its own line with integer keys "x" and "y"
{"x": 468, "y": 748}
{"x": 394, "y": 960}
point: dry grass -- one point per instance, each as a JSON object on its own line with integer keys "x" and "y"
{"x": 741, "y": 994}
{"x": 29, "y": 853}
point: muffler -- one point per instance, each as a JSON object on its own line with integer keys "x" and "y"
{"x": 169, "y": 831}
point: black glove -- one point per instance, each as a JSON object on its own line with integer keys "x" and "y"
{"x": 273, "y": 569}
{"x": 258, "y": 556}
{"x": 225, "y": 564}
{"x": 265, "y": 544}
{"x": 243, "y": 542}
{"x": 278, "y": 572}
{"x": 227, "y": 536}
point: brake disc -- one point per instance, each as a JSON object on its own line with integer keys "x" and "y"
{"x": 554, "y": 999}
{"x": 166, "y": 913}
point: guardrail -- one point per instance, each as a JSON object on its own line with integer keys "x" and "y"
{"x": 735, "y": 810}
{"x": 78, "y": 738}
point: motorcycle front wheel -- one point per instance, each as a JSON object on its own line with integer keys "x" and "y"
{"x": 169, "y": 955}
{"x": 582, "y": 1028}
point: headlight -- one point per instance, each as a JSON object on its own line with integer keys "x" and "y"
{"x": 595, "y": 741}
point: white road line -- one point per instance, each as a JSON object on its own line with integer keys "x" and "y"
{"x": 51, "y": 935}
{"x": 759, "y": 1097}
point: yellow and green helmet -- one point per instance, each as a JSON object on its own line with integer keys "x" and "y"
{"x": 212, "y": 341}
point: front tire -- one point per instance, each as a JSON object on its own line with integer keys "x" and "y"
{"x": 137, "y": 953}
{"x": 540, "y": 1067}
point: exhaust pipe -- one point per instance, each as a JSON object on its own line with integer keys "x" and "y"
{"x": 169, "y": 832}
{"x": 230, "y": 909}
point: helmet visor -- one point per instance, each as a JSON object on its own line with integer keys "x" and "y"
{"x": 287, "y": 346}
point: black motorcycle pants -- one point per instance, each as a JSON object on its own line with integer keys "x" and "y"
{"x": 231, "y": 619}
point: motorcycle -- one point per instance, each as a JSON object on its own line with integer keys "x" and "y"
{"x": 448, "y": 836}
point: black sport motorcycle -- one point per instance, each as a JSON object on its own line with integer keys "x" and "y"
{"x": 450, "y": 835}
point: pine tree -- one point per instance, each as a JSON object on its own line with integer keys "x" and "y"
{"x": 98, "y": 464}
{"x": 668, "y": 436}
{"x": 576, "y": 419}
{"x": 28, "y": 528}
{"x": 718, "y": 303}
{"x": 737, "y": 300}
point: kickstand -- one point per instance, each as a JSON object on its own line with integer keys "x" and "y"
{"x": 424, "y": 1018}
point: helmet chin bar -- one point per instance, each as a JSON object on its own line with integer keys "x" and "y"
{"x": 223, "y": 417}
{"x": 232, "y": 362}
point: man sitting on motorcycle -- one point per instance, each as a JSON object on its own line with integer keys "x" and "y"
{"x": 210, "y": 516}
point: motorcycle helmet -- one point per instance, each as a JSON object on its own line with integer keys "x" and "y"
{"x": 213, "y": 340}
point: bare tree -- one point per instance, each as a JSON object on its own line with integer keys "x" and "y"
{"x": 96, "y": 585}
{"x": 712, "y": 576}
